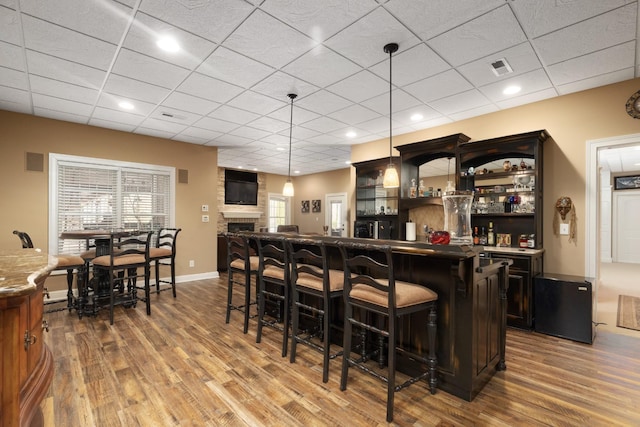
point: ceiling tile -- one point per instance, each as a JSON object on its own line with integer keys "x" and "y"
{"x": 60, "y": 89}
{"x": 141, "y": 67}
{"x": 104, "y": 20}
{"x": 62, "y": 105}
{"x": 321, "y": 67}
{"x": 145, "y": 31}
{"x": 10, "y": 30}
{"x": 261, "y": 37}
{"x": 190, "y": 103}
{"x": 12, "y": 56}
{"x": 430, "y": 18}
{"x": 354, "y": 114}
{"x": 534, "y": 81}
{"x": 461, "y": 102}
{"x": 10, "y": 95}
{"x": 109, "y": 115}
{"x": 162, "y": 125}
{"x": 213, "y": 20}
{"x": 134, "y": 89}
{"x": 445, "y": 84}
{"x": 208, "y": 88}
{"x": 65, "y": 71}
{"x": 319, "y": 20}
{"x": 600, "y": 32}
{"x": 111, "y": 101}
{"x": 411, "y": 65}
{"x": 544, "y": 16}
{"x": 232, "y": 67}
{"x": 364, "y": 41}
{"x": 489, "y": 33}
{"x": 323, "y": 102}
{"x": 63, "y": 43}
{"x": 255, "y": 102}
{"x": 13, "y": 78}
{"x": 598, "y": 63}
{"x": 360, "y": 87}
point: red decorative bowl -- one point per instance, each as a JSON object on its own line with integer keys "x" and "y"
{"x": 440, "y": 238}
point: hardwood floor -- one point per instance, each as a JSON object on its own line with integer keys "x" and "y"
{"x": 183, "y": 366}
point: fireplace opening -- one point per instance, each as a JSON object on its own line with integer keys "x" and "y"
{"x": 234, "y": 227}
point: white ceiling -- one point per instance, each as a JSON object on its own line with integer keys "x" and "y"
{"x": 75, "y": 60}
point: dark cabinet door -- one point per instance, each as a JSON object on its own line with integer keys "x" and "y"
{"x": 519, "y": 299}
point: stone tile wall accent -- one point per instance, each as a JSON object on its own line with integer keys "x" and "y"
{"x": 262, "y": 204}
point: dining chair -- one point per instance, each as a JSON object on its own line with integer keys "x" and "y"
{"x": 127, "y": 254}
{"x": 164, "y": 253}
{"x": 371, "y": 288}
{"x": 288, "y": 228}
{"x": 69, "y": 263}
{"x": 314, "y": 289}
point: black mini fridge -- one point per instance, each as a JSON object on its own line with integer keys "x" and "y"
{"x": 564, "y": 306}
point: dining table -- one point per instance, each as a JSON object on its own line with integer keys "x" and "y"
{"x": 93, "y": 293}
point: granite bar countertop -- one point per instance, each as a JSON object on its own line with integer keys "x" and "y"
{"x": 21, "y": 269}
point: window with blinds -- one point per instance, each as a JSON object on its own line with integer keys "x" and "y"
{"x": 89, "y": 193}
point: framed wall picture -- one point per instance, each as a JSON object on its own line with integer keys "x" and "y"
{"x": 304, "y": 208}
{"x": 316, "y": 206}
{"x": 627, "y": 182}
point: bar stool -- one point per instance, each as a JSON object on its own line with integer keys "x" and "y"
{"x": 164, "y": 253}
{"x": 68, "y": 263}
{"x": 242, "y": 266}
{"x": 370, "y": 286}
{"x": 312, "y": 278}
{"x": 273, "y": 286}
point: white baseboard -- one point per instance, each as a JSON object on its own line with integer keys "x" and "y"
{"x": 62, "y": 294}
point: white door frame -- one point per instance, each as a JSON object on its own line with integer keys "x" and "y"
{"x": 327, "y": 214}
{"x": 591, "y": 244}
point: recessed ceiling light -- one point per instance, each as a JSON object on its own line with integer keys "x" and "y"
{"x": 511, "y": 90}
{"x": 348, "y": 162}
{"x": 417, "y": 117}
{"x": 168, "y": 44}
{"x": 351, "y": 134}
{"x": 280, "y": 148}
{"x": 296, "y": 171}
{"x": 125, "y": 105}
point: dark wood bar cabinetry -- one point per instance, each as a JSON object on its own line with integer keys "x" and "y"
{"x": 376, "y": 206}
{"x": 26, "y": 364}
{"x": 471, "y": 290}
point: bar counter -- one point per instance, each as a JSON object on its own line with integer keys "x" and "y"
{"x": 471, "y": 307}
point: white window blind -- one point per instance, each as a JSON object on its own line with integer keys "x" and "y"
{"x": 88, "y": 193}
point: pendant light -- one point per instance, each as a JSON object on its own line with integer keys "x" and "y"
{"x": 288, "y": 186}
{"x": 391, "y": 179}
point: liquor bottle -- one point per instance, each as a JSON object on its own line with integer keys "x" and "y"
{"x": 483, "y": 236}
{"x": 491, "y": 235}
{"x": 476, "y": 237}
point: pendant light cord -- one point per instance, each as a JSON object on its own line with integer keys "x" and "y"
{"x": 390, "y": 108}
{"x": 292, "y": 96}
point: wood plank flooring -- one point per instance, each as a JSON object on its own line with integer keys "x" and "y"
{"x": 183, "y": 366}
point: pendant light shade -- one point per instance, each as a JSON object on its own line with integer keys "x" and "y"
{"x": 288, "y": 186}
{"x": 391, "y": 179}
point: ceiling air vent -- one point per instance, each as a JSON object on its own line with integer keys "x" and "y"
{"x": 501, "y": 67}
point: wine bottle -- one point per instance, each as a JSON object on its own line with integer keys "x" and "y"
{"x": 491, "y": 236}
{"x": 483, "y": 236}
{"x": 476, "y": 237}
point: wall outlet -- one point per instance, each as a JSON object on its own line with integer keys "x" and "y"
{"x": 192, "y": 263}
{"x": 205, "y": 208}
{"x": 205, "y": 218}
{"x": 564, "y": 229}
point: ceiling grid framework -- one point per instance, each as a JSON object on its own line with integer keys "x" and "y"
{"x": 77, "y": 60}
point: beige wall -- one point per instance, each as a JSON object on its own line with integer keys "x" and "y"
{"x": 315, "y": 187}
{"x": 24, "y": 194}
{"x": 571, "y": 121}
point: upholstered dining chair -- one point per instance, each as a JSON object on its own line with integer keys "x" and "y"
{"x": 127, "y": 254}
{"x": 288, "y": 228}
{"x": 164, "y": 253}
{"x": 371, "y": 287}
{"x": 69, "y": 263}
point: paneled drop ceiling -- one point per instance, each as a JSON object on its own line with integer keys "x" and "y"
{"x": 227, "y": 84}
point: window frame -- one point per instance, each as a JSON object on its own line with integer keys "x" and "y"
{"x": 56, "y": 160}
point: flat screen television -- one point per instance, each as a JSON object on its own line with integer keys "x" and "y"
{"x": 240, "y": 188}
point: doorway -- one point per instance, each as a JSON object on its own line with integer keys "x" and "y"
{"x": 611, "y": 278}
{"x": 336, "y": 215}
